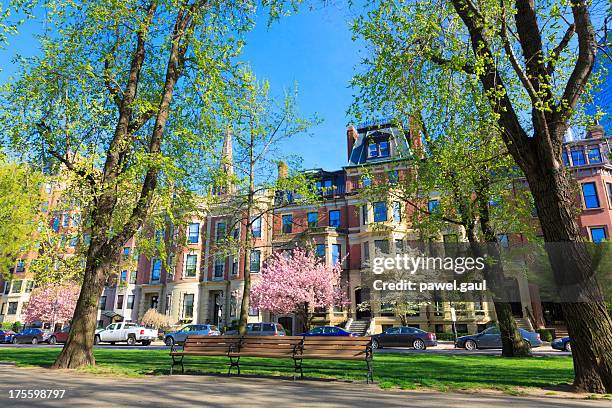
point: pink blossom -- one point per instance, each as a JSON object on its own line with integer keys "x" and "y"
{"x": 52, "y": 303}
{"x": 288, "y": 283}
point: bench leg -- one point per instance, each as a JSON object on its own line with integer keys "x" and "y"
{"x": 370, "y": 377}
{"x": 234, "y": 363}
{"x": 177, "y": 362}
{"x": 297, "y": 367}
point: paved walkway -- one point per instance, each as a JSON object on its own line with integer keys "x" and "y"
{"x": 215, "y": 391}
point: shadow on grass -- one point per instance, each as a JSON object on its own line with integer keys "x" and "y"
{"x": 407, "y": 371}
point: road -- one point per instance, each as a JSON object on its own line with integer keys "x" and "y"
{"x": 85, "y": 390}
{"x": 444, "y": 348}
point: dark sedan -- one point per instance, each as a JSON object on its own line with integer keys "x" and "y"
{"x": 404, "y": 337}
{"x": 33, "y": 336}
{"x": 60, "y": 336}
{"x": 491, "y": 339}
{"x": 328, "y": 331}
{"x": 562, "y": 344}
{"x": 6, "y": 336}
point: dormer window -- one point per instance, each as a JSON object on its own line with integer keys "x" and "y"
{"x": 378, "y": 147}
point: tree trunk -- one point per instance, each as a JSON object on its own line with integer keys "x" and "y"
{"x": 588, "y": 320}
{"x": 78, "y": 350}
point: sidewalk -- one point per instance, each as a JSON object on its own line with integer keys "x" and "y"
{"x": 83, "y": 390}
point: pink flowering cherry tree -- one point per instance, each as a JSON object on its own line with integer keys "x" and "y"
{"x": 298, "y": 282}
{"x": 52, "y": 303}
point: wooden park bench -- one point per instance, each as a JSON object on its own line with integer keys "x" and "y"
{"x": 336, "y": 348}
{"x": 219, "y": 346}
{"x": 277, "y": 347}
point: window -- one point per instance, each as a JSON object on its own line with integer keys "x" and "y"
{"x": 29, "y": 286}
{"x": 380, "y": 211}
{"x": 255, "y": 263}
{"x": 130, "y": 302}
{"x": 503, "y": 240}
{"x": 378, "y": 149}
{"x": 20, "y": 266}
{"x": 598, "y": 234}
{"x": 76, "y": 220}
{"x": 220, "y": 231}
{"x": 589, "y": 191}
{"x": 7, "y": 287}
{"x": 312, "y": 220}
{"x": 66, "y": 222}
{"x": 565, "y": 157}
{"x": 2, "y": 309}
{"x": 133, "y": 276}
{"x": 578, "y": 157}
{"x": 188, "y": 306}
{"x": 256, "y": 227}
{"x": 372, "y": 150}
{"x": 126, "y": 252}
{"x": 193, "y": 233}
{"x": 74, "y": 240}
{"x": 609, "y": 188}
{"x": 12, "y": 308}
{"x": 364, "y": 214}
{"x": 366, "y": 251}
{"x": 219, "y": 267}
{"x": 366, "y": 181}
{"x": 156, "y": 270}
{"x": 382, "y": 245}
{"x": 168, "y": 304}
{"x": 154, "y": 302}
{"x": 320, "y": 250}
{"x": 433, "y": 206}
{"x": 191, "y": 261}
{"x": 253, "y": 311}
{"x": 334, "y": 218}
{"x": 336, "y": 253}
{"x": 102, "y": 303}
{"x": 235, "y": 265}
{"x": 399, "y": 246}
{"x": 594, "y": 155}
{"x": 393, "y": 177}
{"x": 55, "y": 223}
{"x": 397, "y": 211}
{"x": 287, "y": 223}
{"x": 119, "y": 301}
{"x": 384, "y": 148}
{"x": 16, "y": 286}
{"x": 123, "y": 277}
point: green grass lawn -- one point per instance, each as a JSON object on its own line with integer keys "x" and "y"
{"x": 406, "y": 371}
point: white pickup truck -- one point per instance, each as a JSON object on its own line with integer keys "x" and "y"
{"x": 130, "y": 333}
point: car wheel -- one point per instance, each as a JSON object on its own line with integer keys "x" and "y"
{"x": 97, "y": 340}
{"x": 131, "y": 341}
{"x": 418, "y": 344}
{"x": 52, "y": 340}
{"x": 169, "y": 341}
{"x": 567, "y": 347}
{"x": 34, "y": 340}
{"x": 527, "y": 345}
{"x": 375, "y": 344}
{"x": 470, "y": 345}
{"x": 146, "y": 342}
{"x": 14, "y": 341}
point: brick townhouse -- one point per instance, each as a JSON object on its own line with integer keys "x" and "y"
{"x": 204, "y": 283}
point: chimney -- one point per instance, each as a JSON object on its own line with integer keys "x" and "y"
{"x": 595, "y": 132}
{"x": 283, "y": 170}
{"x": 351, "y": 138}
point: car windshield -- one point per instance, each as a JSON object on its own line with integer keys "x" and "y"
{"x": 212, "y": 327}
{"x": 186, "y": 329}
{"x": 316, "y": 330}
{"x": 491, "y": 330}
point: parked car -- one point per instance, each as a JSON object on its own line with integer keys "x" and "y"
{"x": 404, "y": 337}
{"x": 491, "y": 339}
{"x": 6, "y": 336}
{"x": 60, "y": 336}
{"x": 33, "y": 336}
{"x": 562, "y": 344}
{"x": 179, "y": 336}
{"x": 130, "y": 333}
{"x": 328, "y": 331}
{"x": 260, "y": 329}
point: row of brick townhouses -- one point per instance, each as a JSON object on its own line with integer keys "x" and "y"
{"x": 204, "y": 283}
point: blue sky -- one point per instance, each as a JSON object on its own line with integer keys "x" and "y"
{"x": 312, "y": 48}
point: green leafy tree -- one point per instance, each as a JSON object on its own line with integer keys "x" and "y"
{"x": 21, "y": 195}
{"x": 126, "y": 96}
{"x": 533, "y": 64}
